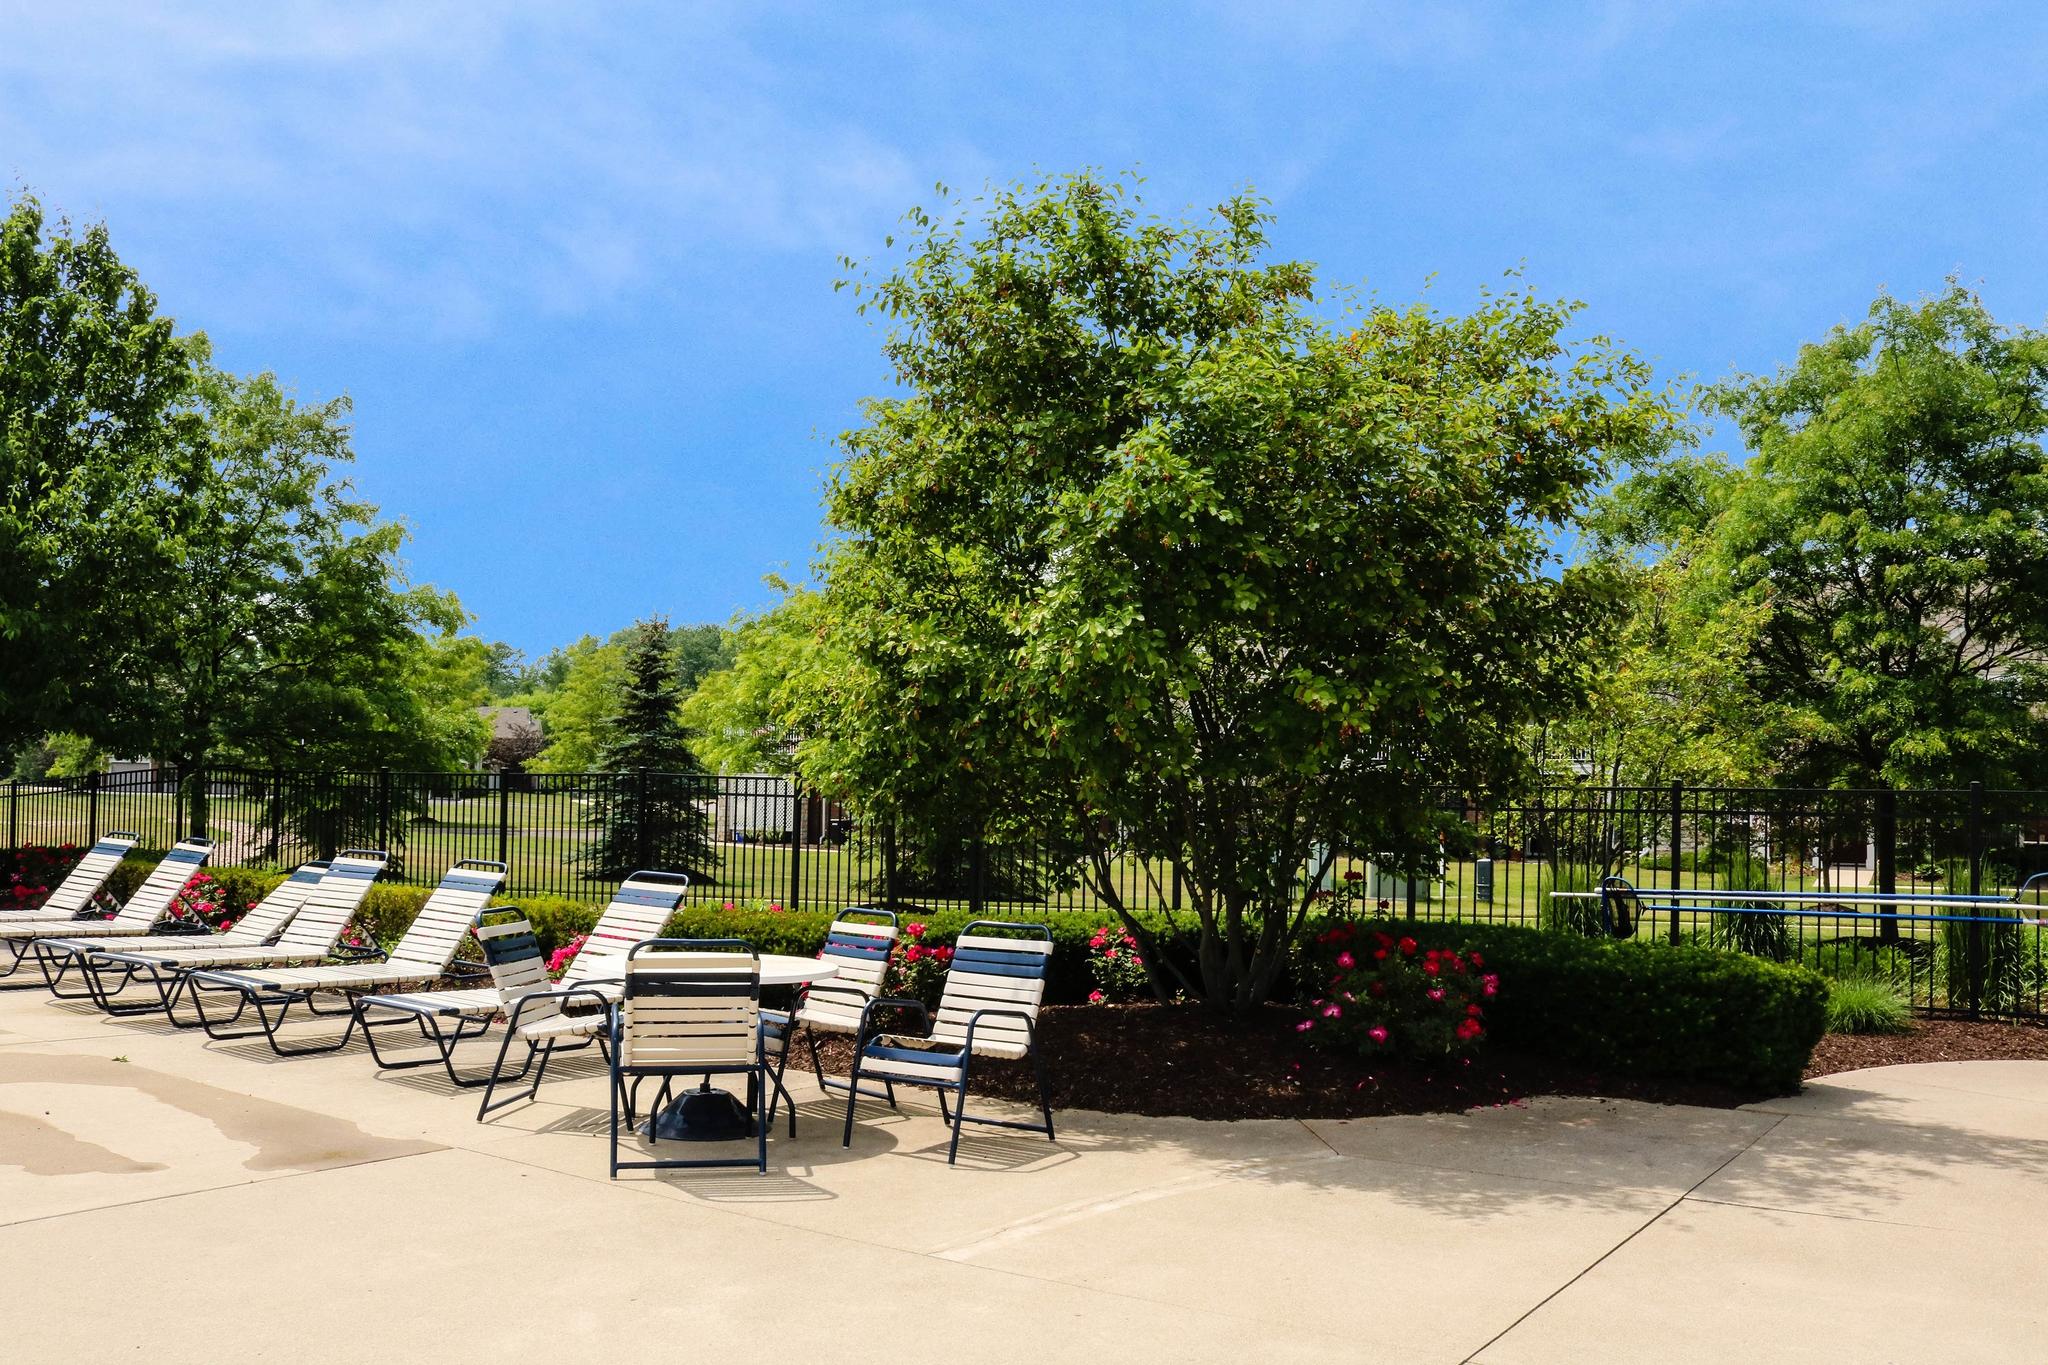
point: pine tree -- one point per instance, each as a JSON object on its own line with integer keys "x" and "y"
{"x": 654, "y": 813}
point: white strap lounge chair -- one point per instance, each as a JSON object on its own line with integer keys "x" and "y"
{"x": 691, "y": 1007}
{"x": 521, "y": 990}
{"x": 326, "y": 908}
{"x": 860, "y": 949}
{"x": 151, "y": 902}
{"x": 86, "y": 879}
{"x": 263, "y": 922}
{"x": 423, "y": 954}
{"x": 989, "y": 1008}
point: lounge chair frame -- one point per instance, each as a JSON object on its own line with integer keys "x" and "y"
{"x": 273, "y": 1004}
{"x": 869, "y": 1046}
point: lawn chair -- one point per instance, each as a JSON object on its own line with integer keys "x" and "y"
{"x": 860, "y": 950}
{"x": 691, "y": 1007}
{"x": 151, "y": 902}
{"x": 57, "y": 956}
{"x": 325, "y": 910}
{"x": 638, "y": 911}
{"x": 989, "y": 1008}
{"x": 86, "y": 879}
{"x": 422, "y": 955}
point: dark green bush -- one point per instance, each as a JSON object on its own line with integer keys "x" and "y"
{"x": 801, "y": 933}
{"x": 1642, "y": 1008}
{"x": 387, "y": 910}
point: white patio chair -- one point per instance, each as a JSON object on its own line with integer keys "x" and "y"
{"x": 989, "y": 1008}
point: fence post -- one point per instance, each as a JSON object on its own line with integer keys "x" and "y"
{"x": 505, "y": 823}
{"x": 644, "y": 852}
{"x": 1677, "y": 855}
{"x": 796, "y": 847}
{"x": 14, "y": 816}
{"x": 977, "y": 886}
{"x": 277, "y": 814}
{"x": 889, "y": 864}
{"x": 1976, "y": 937}
{"x": 1888, "y": 858}
{"x": 384, "y": 810}
{"x": 92, "y": 808}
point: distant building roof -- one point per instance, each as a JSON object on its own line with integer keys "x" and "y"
{"x": 507, "y": 721}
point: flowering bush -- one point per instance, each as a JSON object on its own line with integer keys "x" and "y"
{"x": 753, "y": 907}
{"x": 203, "y": 900}
{"x": 1375, "y": 991}
{"x": 918, "y": 970}
{"x": 1115, "y": 968}
{"x": 559, "y": 960}
{"x": 37, "y": 868}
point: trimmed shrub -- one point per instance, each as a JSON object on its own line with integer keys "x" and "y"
{"x": 1643, "y": 1008}
{"x": 237, "y": 886}
{"x": 801, "y": 933}
{"x": 1867, "y": 1005}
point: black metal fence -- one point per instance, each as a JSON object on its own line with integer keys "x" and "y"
{"x": 772, "y": 845}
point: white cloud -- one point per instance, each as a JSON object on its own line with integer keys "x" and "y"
{"x": 433, "y": 164}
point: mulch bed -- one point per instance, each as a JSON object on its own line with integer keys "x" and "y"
{"x": 1184, "y": 1061}
{"x": 1932, "y": 1040}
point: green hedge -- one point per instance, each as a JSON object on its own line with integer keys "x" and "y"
{"x": 1684, "y": 1013}
{"x": 238, "y": 885}
{"x": 1639, "y": 1008}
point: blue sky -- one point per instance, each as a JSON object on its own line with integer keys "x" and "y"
{"x": 574, "y": 263}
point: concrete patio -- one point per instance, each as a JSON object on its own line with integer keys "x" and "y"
{"x": 238, "y": 1208}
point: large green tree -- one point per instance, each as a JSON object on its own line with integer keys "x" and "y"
{"x": 1149, "y": 554}
{"x": 1889, "y": 538}
{"x": 653, "y": 814}
{"x": 279, "y": 630}
{"x": 93, "y": 395}
{"x": 737, "y": 711}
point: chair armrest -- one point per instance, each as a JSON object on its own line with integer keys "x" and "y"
{"x": 882, "y": 1002}
{"x": 1030, "y": 1025}
{"x": 602, "y": 1001}
{"x": 368, "y": 952}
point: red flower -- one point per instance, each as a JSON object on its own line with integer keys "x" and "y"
{"x": 1352, "y": 874}
{"x": 1408, "y": 947}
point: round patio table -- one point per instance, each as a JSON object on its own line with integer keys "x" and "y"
{"x": 708, "y": 1115}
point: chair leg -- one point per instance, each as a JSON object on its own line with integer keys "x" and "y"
{"x": 618, "y": 1098}
{"x": 1044, "y": 1094}
{"x": 959, "y": 1116}
{"x": 760, "y": 1088}
{"x": 852, "y": 1098}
